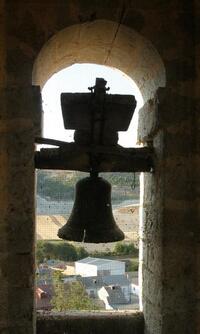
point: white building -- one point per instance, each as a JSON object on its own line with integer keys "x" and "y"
{"x": 133, "y": 278}
{"x": 91, "y": 266}
{"x": 112, "y": 296}
{"x": 135, "y": 287}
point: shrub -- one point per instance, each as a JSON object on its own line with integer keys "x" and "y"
{"x": 122, "y": 248}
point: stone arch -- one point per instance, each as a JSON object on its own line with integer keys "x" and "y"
{"x": 106, "y": 43}
{"x": 111, "y": 44}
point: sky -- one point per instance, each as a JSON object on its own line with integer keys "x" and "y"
{"x": 77, "y": 78}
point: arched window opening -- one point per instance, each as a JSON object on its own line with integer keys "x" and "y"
{"x": 113, "y": 266}
{"x": 106, "y": 43}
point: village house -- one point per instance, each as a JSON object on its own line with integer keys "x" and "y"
{"x": 91, "y": 266}
{"x": 94, "y": 283}
{"x": 112, "y": 288}
{"x": 112, "y": 296}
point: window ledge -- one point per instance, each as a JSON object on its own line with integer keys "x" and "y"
{"x": 125, "y": 322}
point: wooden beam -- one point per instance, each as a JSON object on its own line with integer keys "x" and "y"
{"x": 107, "y": 159}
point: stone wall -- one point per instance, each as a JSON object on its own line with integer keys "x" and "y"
{"x": 169, "y": 223}
{"x": 196, "y": 150}
{"x": 90, "y": 323}
{"x": 19, "y": 123}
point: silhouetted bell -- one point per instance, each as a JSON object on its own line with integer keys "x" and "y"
{"x": 91, "y": 219}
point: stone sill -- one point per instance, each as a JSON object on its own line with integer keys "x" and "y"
{"x": 116, "y": 322}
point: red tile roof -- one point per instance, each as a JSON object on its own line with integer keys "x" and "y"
{"x": 44, "y": 295}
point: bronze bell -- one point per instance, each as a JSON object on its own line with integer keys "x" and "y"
{"x": 91, "y": 219}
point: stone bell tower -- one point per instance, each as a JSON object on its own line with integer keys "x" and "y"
{"x": 157, "y": 44}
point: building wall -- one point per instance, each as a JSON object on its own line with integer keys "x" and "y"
{"x": 126, "y": 291}
{"x": 103, "y": 295}
{"x": 135, "y": 289}
{"x": 111, "y": 268}
{"x": 85, "y": 270}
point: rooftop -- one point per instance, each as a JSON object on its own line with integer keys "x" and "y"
{"x": 44, "y": 293}
{"x": 99, "y": 281}
{"x": 97, "y": 261}
{"x": 115, "y": 295}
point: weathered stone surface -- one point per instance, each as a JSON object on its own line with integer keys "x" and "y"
{"x": 76, "y": 322}
{"x": 129, "y": 52}
{"x": 22, "y": 108}
{"x": 174, "y": 108}
{"x": 181, "y": 70}
{"x": 148, "y": 121}
{"x": 19, "y": 110}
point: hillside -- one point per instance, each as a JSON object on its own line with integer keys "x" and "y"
{"x": 60, "y": 185}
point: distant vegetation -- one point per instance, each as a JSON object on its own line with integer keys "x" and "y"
{"x": 132, "y": 265}
{"x": 122, "y": 248}
{"x": 59, "y": 250}
{"x": 65, "y": 251}
{"x": 57, "y": 186}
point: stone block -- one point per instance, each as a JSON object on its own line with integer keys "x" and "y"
{"x": 153, "y": 318}
{"x": 178, "y": 183}
{"x": 135, "y": 19}
{"x": 74, "y": 323}
{"x": 153, "y": 186}
{"x": 18, "y": 65}
{"x": 147, "y": 122}
{"x": 180, "y": 70}
{"x": 178, "y": 322}
{"x": 179, "y": 220}
{"x": 152, "y": 287}
{"x": 16, "y": 268}
{"x": 24, "y": 307}
{"x": 174, "y": 108}
{"x": 16, "y": 328}
{"x": 16, "y": 317}
{"x": 19, "y": 234}
{"x": 152, "y": 225}
{"x": 21, "y": 107}
{"x": 153, "y": 257}
{"x": 179, "y": 140}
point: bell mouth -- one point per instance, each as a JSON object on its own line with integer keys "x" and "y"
{"x": 72, "y": 234}
{"x": 106, "y": 235}
{"x": 90, "y": 235}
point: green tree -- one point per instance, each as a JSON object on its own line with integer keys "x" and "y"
{"x": 55, "y": 250}
{"x": 122, "y": 248}
{"x": 65, "y": 251}
{"x": 48, "y": 249}
{"x": 133, "y": 265}
{"x": 39, "y": 255}
{"x": 71, "y": 296}
{"x": 57, "y": 277}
